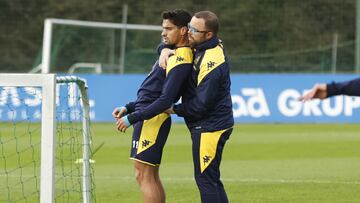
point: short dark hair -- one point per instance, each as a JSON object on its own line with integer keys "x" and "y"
{"x": 178, "y": 17}
{"x": 211, "y": 20}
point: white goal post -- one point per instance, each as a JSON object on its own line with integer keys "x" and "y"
{"x": 81, "y": 83}
{"x": 47, "y": 83}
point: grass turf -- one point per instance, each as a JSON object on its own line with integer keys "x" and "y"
{"x": 261, "y": 163}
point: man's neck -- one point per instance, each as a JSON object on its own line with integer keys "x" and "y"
{"x": 183, "y": 42}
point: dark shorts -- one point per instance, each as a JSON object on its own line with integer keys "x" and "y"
{"x": 149, "y": 138}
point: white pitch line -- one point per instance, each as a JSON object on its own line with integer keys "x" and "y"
{"x": 242, "y": 180}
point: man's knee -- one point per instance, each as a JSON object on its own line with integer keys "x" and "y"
{"x": 139, "y": 171}
{"x": 144, "y": 172}
{"x": 138, "y": 175}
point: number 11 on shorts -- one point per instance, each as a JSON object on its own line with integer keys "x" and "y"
{"x": 135, "y": 144}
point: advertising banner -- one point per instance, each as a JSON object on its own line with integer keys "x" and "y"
{"x": 257, "y": 98}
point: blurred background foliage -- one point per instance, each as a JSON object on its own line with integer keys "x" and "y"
{"x": 259, "y": 35}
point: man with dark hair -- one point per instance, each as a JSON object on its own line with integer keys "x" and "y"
{"x": 157, "y": 93}
{"x": 207, "y": 106}
{"x": 323, "y": 91}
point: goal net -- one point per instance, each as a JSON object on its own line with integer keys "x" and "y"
{"x": 93, "y": 47}
{"x": 44, "y": 139}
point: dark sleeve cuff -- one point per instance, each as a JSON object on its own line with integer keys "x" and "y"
{"x": 133, "y": 118}
{"x": 332, "y": 90}
{"x": 179, "y": 110}
{"x": 130, "y": 107}
{"x": 162, "y": 46}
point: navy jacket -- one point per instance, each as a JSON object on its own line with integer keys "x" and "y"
{"x": 206, "y": 102}
{"x": 351, "y": 88}
{"x": 162, "y": 88}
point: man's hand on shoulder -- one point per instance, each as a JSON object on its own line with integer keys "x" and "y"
{"x": 164, "y": 57}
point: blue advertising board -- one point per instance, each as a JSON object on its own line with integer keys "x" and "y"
{"x": 257, "y": 98}
{"x": 274, "y": 98}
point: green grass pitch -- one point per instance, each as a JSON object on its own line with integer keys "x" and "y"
{"x": 261, "y": 163}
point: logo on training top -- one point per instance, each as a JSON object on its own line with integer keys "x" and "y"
{"x": 210, "y": 64}
{"x": 206, "y": 159}
{"x": 179, "y": 59}
{"x": 145, "y": 143}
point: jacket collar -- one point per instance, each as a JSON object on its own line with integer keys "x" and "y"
{"x": 208, "y": 44}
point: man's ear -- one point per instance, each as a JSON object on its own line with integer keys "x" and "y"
{"x": 209, "y": 35}
{"x": 183, "y": 30}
